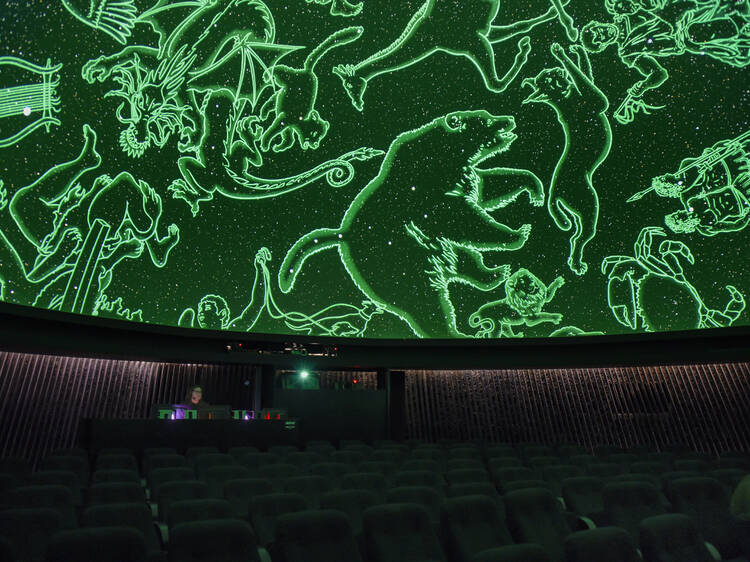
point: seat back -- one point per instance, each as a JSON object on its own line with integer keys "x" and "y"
{"x": 672, "y": 537}
{"x": 159, "y": 476}
{"x": 351, "y": 502}
{"x": 309, "y": 487}
{"x": 73, "y": 463}
{"x": 103, "y": 544}
{"x": 514, "y": 553}
{"x": 115, "y": 475}
{"x": 424, "y": 496}
{"x": 66, "y": 478}
{"x": 583, "y": 494}
{"x": 471, "y": 524}
{"x": 55, "y": 497}
{"x": 170, "y": 492}
{"x": 266, "y": 509}
{"x": 116, "y": 492}
{"x": 604, "y": 543}
{"x": 535, "y": 516}
{"x": 134, "y": 515}
{"x": 239, "y": 493}
{"x": 186, "y": 511}
{"x": 121, "y": 461}
{"x": 399, "y": 533}
{"x": 216, "y": 476}
{"x": 626, "y": 504}
{"x": 28, "y": 531}
{"x": 316, "y": 536}
{"x": 218, "y": 540}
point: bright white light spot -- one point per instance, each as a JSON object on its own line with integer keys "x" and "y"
{"x": 303, "y": 374}
{"x": 315, "y": 240}
{"x": 27, "y": 111}
{"x": 341, "y": 235}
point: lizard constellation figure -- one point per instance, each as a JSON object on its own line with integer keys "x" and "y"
{"x": 440, "y": 26}
{"x": 581, "y": 110}
{"x": 665, "y": 30}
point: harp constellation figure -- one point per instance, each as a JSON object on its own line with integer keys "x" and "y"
{"x": 19, "y": 103}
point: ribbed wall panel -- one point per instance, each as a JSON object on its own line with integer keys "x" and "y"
{"x": 700, "y": 407}
{"x": 46, "y": 396}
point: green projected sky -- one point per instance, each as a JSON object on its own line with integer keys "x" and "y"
{"x": 382, "y": 169}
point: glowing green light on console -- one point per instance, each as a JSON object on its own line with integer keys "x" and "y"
{"x": 304, "y": 374}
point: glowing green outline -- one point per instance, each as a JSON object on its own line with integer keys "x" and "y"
{"x": 341, "y": 8}
{"x": 474, "y": 44}
{"x": 33, "y": 98}
{"x": 581, "y": 111}
{"x": 525, "y": 296}
{"x": 86, "y": 234}
{"x": 636, "y": 27}
{"x": 626, "y": 276}
{"x": 116, "y": 18}
{"x": 439, "y": 257}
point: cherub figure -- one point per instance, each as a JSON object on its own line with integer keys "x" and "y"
{"x": 581, "y": 110}
{"x": 525, "y": 296}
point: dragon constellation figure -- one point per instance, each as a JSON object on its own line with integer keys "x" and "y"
{"x": 581, "y": 108}
{"x": 647, "y": 31}
{"x": 525, "y": 296}
{"x": 440, "y": 26}
{"x": 163, "y": 86}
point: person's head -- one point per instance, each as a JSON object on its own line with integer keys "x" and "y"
{"x": 597, "y": 36}
{"x": 682, "y": 222}
{"x": 213, "y": 312}
{"x": 196, "y": 394}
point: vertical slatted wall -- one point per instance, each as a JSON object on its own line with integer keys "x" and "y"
{"x": 43, "y": 397}
{"x": 700, "y": 407}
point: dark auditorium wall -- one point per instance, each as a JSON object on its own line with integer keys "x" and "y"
{"x": 699, "y": 407}
{"x": 43, "y": 397}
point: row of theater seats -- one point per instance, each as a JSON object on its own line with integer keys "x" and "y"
{"x": 390, "y": 502}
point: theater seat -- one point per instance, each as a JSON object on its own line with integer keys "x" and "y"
{"x": 55, "y": 497}
{"x": 471, "y": 524}
{"x": 116, "y": 492}
{"x": 239, "y": 452}
{"x": 334, "y": 472}
{"x": 514, "y": 553}
{"x": 351, "y": 502}
{"x": 218, "y": 540}
{"x": 371, "y": 481}
{"x": 17, "y": 467}
{"x": 103, "y": 544}
{"x": 73, "y": 463}
{"x": 583, "y": 495}
{"x": 176, "y": 491}
{"x": 193, "y": 453}
{"x": 279, "y": 472}
{"x": 186, "y": 511}
{"x": 419, "y": 478}
{"x": 309, "y": 487}
{"x": 160, "y": 476}
{"x": 216, "y": 476}
{"x": 265, "y": 511}
{"x": 316, "y": 536}
{"x": 475, "y": 489}
{"x": 535, "y": 516}
{"x": 610, "y": 544}
{"x": 467, "y": 475}
{"x": 399, "y": 533}
{"x": 424, "y": 496}
{"x": 123, "y": 461}
{"x": 115, "y": 475}
{"x": 254, "y": 461}
{"x": 28, "y": 530}
{"x": 133, "y": 515}
{"x": 672, "y": 537}
{"x": 163, "y": 461}
{"x": 239, "y": 493}
{"x": 706, "y": 502}
{"x": 626, "y": 504}
{"x": 556, "y": 473}
{"x": 65, "y": 478}
{"x": 202, "y": 463}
